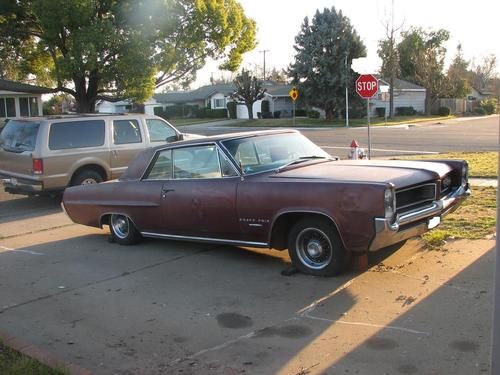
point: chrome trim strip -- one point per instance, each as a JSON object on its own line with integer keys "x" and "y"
{"x": 204, "y": 239}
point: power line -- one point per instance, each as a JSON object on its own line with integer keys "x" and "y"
{"x": 264, "y": 52}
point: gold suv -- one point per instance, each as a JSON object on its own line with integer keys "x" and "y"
{"x": 47, "y": 154}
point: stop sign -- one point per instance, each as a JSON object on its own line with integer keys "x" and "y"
{"x": 366, "y": 85}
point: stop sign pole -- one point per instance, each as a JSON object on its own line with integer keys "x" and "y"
{"x": 367, "y": 87}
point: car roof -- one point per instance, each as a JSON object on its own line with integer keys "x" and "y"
{"x": 226, "y": 136}
{"x": 77, "y": 116}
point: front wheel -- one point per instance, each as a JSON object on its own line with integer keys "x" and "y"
{"x": 123, "y": 230}
{"x": 315, "y": 248}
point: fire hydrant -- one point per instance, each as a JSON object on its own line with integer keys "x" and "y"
{"x": 356, "y": 152}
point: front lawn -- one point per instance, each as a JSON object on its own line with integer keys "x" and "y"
{"x": 15, "y": 363}
{"x": 481, "y": 164}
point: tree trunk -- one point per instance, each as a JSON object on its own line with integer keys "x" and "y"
{"x": 428, "y": 102}
{"x": 86, "y": 97}
{"x": 250, "y": 111}
{"x": 391, "y": 96}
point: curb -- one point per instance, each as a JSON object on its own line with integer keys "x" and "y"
{"x": 41, "y": 355}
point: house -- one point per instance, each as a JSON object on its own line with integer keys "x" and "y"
{"x": 20, "y": 99}
{"x": 210, "y": 96}
{"x": 406, "y": 94}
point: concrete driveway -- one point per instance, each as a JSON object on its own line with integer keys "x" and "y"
{"x": 165, "y": 307}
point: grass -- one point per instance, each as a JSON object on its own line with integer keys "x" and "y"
{"x": 15, "y": 363}
{"x": 481, "y": 164}
{"x": 474, "y": 219}
{"x": 300, "y": 121}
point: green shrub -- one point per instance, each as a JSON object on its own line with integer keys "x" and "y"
{"x": 158, "y": 111}
{"x": 480, "y": 111}
{"x": 489, "y": 106}
{"x": 231, "y": 108}
{"x": 264, "y": 106}
{"x": 277, "y": 114}
{"x": 380, "y": 111}
{"x": 300, "y": 113}
{"x": 444, "y": 111}
{"x": 313, "y": 114}
{"x": 216, "y": 113}
{"x": 405, "y": 111}
{"x": 267, "y": 115}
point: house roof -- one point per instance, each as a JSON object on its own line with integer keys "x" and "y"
{"x": 400, "y": 84}
{"x": 279, "y": 90}
{"x": 201, "y": 93}
{"x": 23, "y": 87}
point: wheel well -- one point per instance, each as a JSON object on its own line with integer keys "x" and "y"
{"x": 282, "y": 226}
{"x": 92, "y": 167}
{"x": 105, "y": 220}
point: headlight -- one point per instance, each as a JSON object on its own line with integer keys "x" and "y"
{"x": 465, "y": 173}
{"x": 390, "y": 202}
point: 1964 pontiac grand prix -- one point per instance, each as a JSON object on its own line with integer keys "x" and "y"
{"x": 272, "y": 189}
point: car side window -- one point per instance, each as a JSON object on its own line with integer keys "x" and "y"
{"x": 162, "y": 167}
{"x": 76, "y": 134}
{"x": 126, "y": 131}
{"x": 196, "y": 162}
{"x": 226, "y": 166}
{"x": 160, "y": 131}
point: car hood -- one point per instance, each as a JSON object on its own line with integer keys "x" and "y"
{"x": 400, "y": 173}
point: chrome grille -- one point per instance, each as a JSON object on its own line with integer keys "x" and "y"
{"x": 407, "y": 199}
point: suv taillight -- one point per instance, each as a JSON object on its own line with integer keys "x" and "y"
{"x": 37, "y": 166}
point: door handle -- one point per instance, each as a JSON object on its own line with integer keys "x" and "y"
{"x": 164, "y": 192}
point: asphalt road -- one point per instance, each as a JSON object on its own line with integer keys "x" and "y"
{"x": 461, "y": 134}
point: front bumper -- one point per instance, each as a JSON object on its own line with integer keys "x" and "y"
{"x": 417, "y": 222}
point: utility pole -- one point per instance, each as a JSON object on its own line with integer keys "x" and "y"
{"x": 264, "y": 52}
{"x": 346, "y": 94}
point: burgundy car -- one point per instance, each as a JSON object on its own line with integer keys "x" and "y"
{"x": 271, "y": 189}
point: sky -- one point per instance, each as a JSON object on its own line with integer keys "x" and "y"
{"x": 475, "y": 25}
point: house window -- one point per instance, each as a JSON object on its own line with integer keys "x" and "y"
{"x": 7, "y": 107}
{"x": 24, "y": 107}
{"x": 220, "y": 103}
{"x": 33, "y": 106}
{"x": 28, "y": 106}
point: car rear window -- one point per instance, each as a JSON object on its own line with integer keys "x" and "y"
{"x": 19, "y": 136}
{"x": 76, "y": 134}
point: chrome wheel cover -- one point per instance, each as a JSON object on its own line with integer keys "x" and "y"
{"x": 120, "y": 225}
{"x": 314, "y": 248}
{"x": 89, "y": 181}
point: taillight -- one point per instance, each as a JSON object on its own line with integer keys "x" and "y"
{"x": 37, "y": 166}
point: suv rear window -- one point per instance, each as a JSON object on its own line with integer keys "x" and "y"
{"x": 76, "y": 134}
{"x": 19, "y": 136}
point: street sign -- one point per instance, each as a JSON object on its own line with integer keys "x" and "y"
{"x": 366, "y": 86}
{"x": 294, "y": 93}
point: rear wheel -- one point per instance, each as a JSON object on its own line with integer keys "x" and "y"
{"x": 315, "y": 248}
{"x": 86, "y": 177}
{"x": 123, "y": 230}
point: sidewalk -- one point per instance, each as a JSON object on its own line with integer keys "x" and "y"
{"x": 492, "y": 182}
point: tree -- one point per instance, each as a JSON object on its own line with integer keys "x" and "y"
{"x": 484, "y": 73}
{"x": 116, "y": 49}
{"x": 421, "y": 60}
{"x": 388, "y": 52}
{"x": 457, "y": 85}
{"x": 325, "y": 49}
{"x": 248, "y": 90}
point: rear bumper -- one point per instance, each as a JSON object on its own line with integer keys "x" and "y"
{"x": 417, "y": 222}
{"x": 20, "y": 185}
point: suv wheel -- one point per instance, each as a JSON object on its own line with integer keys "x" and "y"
{"x": 87, "y": 177}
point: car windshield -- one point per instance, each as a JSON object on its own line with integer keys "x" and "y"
{"x": 267, "y": 152}
{"x": 19, "y": 136}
